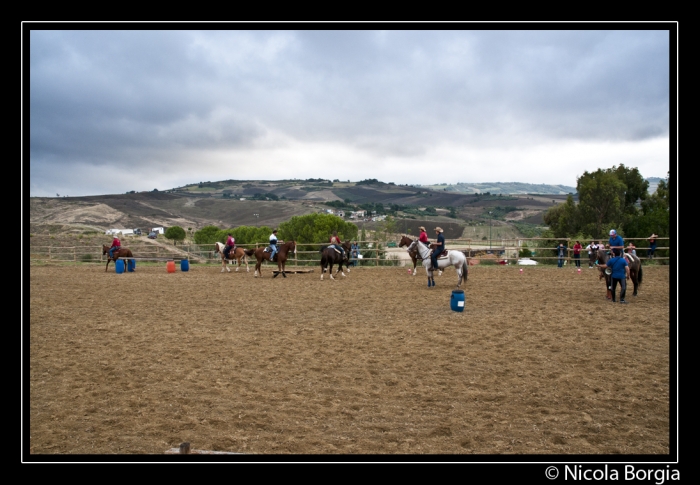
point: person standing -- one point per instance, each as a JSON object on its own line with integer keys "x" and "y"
{"x": 592, "y": 249}
{"x": 423, "y": 237}
{"x": 354, "y": 252}
{"x": 617, "y": 244}
{"x": 438, "y": 249}
{"x": 577, "y": 253}
{"x": 561, "y": 254}
{"x": 230, "y": 244}
{"x": 652, "y": 246}
{"x": 116, "y": 245}
{"x": 273, "y": 244}
{"x": 620, "y": 274}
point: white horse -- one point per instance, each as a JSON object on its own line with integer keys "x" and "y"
{"x": 453, "y": 258}
{"x": 237, "y": 255}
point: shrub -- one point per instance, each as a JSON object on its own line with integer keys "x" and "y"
{"x": 86, "y": 258}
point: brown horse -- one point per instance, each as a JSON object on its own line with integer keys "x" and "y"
{"x": 119, "y": 253}
{"x": 592, "y": 257}
{"x": 237, "y": 254}
{"x": 415, "y": 257}
{"x": 281, "y": 256}
{"x": 633, "y": 262}
{"x": 330, "y": 256}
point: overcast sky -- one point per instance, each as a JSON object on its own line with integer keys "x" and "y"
{"x": 114, "y": 111}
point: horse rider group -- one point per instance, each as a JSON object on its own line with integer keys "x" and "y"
{"x": 423, "y": 238}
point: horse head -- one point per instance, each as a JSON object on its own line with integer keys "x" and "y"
{"x": 405, "y": 241}
{"x": 105, "y": 249}
{"x": 603, "y": 259}
{"x": 292, "y": 247}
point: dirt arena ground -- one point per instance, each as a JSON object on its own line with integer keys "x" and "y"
{"x": 374, "y": 363}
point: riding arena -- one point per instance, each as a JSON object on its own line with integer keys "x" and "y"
{"x": 538, "y": 362}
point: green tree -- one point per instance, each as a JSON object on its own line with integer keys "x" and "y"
{"x": 207, "y": 235}
{"x": 248, "y": 234}
{"x": 563, "y": 219}
{"x": 601, "y": 196}
{"x": 176, "y": 233}
{"x": 655, "y": 216}
{"x": 637, "y": 189}
{"x": 388, "y": 226}
{"x": 316, "y": 228}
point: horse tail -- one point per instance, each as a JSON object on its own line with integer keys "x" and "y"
{"x": 639, "y": 274}
{"x": 249, "y": 252}
{"x": 465, "y": 270}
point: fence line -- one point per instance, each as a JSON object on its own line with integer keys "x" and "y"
{"x": 375, "y": 252}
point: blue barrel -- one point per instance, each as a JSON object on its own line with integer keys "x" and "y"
{"x": 119, "y": 266}
{"x": 457, "y": 300}
{"x": 184, "y": 265}
{"x": 130, "y": 265}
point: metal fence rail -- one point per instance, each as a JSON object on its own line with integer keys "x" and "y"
{"x": 374, "y": 253}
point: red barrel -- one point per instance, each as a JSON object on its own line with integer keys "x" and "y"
{"x": 170, "y": 266}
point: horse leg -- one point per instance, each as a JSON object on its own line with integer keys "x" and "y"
{"x": 330, "y": 270}
{"x": 280, "y": 269}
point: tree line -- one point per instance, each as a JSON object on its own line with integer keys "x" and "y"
{"x": 614, "y": 198}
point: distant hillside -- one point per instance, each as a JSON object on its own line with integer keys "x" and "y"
{"x": 504, "y": 188}
{"x": 653, "y": 183}
{"x": 517, "y": 188}
{"x": 232, "y": 203}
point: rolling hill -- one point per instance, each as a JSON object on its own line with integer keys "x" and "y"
{"x": 231, "y": 203}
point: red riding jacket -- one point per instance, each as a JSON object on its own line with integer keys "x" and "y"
{"x": 116, "y": 243}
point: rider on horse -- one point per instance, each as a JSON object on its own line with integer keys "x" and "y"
{"x": 438, "y": 249}
{"x": 336, "y": 243}
{"x": 230, "y": 244}
{"x": 273, "y": 244}
{"x": 116, "y": 245}
{"x": 423, "y": 236}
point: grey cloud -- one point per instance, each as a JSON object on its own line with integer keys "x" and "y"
{"x": 135, "y": 97}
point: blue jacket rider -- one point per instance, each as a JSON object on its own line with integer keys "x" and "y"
{"x": 438, "y": 249}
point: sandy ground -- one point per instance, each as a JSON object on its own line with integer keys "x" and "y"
{"x": 374, "y": 363}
